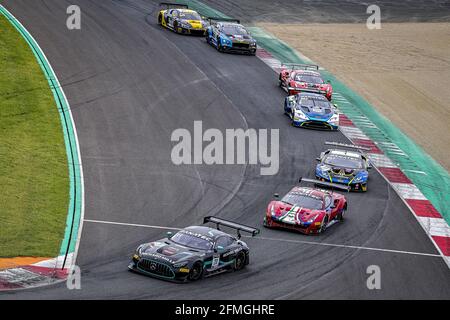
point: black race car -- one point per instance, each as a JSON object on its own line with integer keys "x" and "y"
{"x": 194, "y": 252}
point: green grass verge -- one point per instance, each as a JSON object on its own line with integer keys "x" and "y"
{"x": 34, "y": 181}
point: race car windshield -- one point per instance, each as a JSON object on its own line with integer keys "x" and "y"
{"x": 345, "y": 162}
{"x": 303, "y": 201}
{"x": 308, "y": 78}
{"x": 191, "y": 241}
{"x": 315, "y": 105}
{"x": 234, "y": 30}
{"x": 190, "y": 16}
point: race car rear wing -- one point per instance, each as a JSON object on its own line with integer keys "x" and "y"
{"x": 218, "y": 19}
{"x": 339, "y": 144}
{"x": 231, "y": 224}
{"x": 327, "y": 184}
{"x": 173, "y": 5}
{"x": 294, "y": 66}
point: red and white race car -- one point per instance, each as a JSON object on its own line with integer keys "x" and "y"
{"x": 295, "y": 78}
{"x": 308, "y": 210}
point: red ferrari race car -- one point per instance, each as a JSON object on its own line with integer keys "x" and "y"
{"x": 308, "y": 210}
{"x": 296, "y": 78}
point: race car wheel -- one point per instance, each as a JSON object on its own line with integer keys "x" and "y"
{"x": 160, "y": 19}
{"x": 175, "y": 27}
{"x": 219, "y": 45}
{"x": 291, "y": 115}
{"x": 267, "y": 223}
{"x": 323, "y": 226}
{"x": 196, "y": 271}
{"x": 341, "y": 215}
{"x": 239, "y": 263}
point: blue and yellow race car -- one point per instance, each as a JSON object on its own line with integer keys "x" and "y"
{"x": 180, "y": 19}
{"x": 228, "y": 35}
{"x": 344, "y": 167}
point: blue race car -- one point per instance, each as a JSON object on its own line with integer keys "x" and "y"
{"x": 228, "y": 35}
{"x": 344, "y": 167}
{"x": 311, "y": 110}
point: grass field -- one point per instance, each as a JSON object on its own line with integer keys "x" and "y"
{"x": 34, "y": 182}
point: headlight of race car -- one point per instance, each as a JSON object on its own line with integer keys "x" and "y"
{"x": 138, "y": 253}
{"x": 139, "y": 250}
{"x": 180, "y": 264}
{"x": 272, "y": 211}
{"x": 311, "y": 220}
{"x": 299, "y": 115}
{"x": 226, "y": 41}
{"x": 334, "y": 118}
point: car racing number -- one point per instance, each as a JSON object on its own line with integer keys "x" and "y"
{"x": 215, "y": 261}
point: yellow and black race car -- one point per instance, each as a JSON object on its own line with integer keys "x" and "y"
{"x": 180, "y": 19}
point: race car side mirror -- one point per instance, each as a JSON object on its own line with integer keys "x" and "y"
{"x": 369, "y": 166}
{"x": 318, "y": 159}
{"x": 276, "y": 195}
{"x": 328, "y": 81}
{"x": 169, "y": 234}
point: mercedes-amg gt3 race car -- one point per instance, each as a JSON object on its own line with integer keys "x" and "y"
{"x": 311, "y": 110}
{"x": 228, "y": 35}
{"x": 194, "y": 252}
{"x": 343, "y": 166}
{"x": 308, "y": 210}
{"x": 180, "y": 19}
{"x": 295, "y": 78}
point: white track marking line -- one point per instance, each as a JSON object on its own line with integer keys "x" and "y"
{"x": 416, "y": 171}
{"x": 347, "y": 246}
{"x": 279, "y": 240}
{"x": 131, "y": 224}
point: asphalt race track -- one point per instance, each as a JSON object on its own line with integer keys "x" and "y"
{"x": 130, "y": 84}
